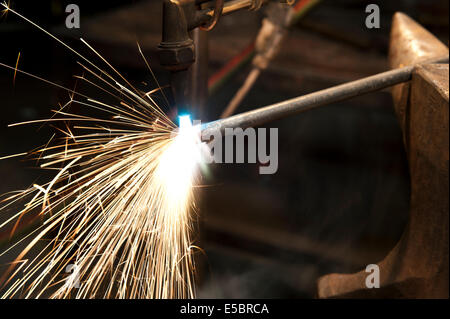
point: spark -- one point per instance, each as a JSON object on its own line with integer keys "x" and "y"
{"x": 13, "y": 155}
{"x": 121, "y": 202}
{"x": 15, "y": 71}
{"x": 6, "y": 8}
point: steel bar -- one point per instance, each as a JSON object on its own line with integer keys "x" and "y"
{"x": 307, "y": 102}
{"x": 242, "y": 92}
{"x": 234, "y": 5}
{"x": 216, "y": 16}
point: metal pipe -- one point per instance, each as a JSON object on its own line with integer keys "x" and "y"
{"x": 176, "y": 50}
{"x": 242, "y": 92}
{"x": 236, "y": 5}
{"x": 205, "y": 15}
{"x": 307, "y": 102}
{"x": 199, "y": 73}
{"x": 218, "y": 8}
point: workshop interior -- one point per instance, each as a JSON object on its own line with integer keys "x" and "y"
{"x": 357, "y": 90}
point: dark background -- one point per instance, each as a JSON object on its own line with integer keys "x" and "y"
{"x": 339, "y": 200}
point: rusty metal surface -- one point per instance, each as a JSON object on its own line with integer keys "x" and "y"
{"x": 417, "y": 267}
{"x": 410, "y": 43}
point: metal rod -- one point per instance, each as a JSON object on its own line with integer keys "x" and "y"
{"x": 236, "y": 5}
{"x": 218, "y": 8}
{"x": 206, "y": 15}
{"x": 307, "y": 102}
{"x": 242, "y": 92}
{"x": 199, "y": 73}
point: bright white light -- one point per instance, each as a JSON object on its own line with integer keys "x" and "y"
{"x": 178, "y": 165}
{"x": 185, "y": 122}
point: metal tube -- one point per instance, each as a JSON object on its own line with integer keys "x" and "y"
{"x": 199, "y": 73}
{"x": 218, "y": 8}
{"x": 242, "y": 92}
{"x": 313, "y": 100}
{"x": 205, "y": 15}
{"x": 235, "y": 5}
